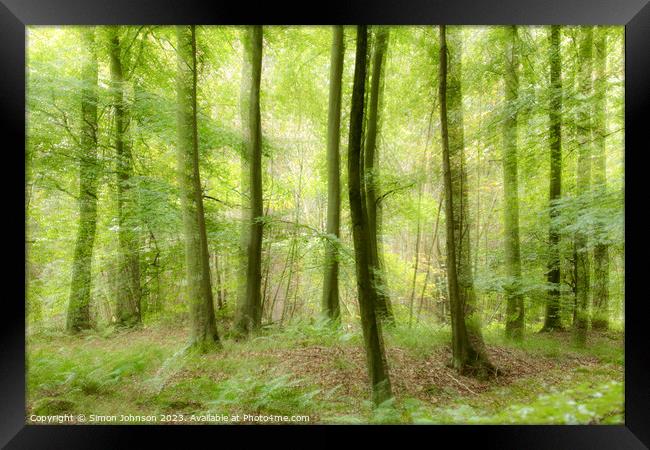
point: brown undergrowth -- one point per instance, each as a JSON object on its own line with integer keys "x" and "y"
{"x": 422, "y": 378}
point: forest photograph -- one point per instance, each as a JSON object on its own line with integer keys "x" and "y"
{"x": 298, "y": 225}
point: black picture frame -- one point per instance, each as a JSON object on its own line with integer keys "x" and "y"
{"x": 634, "y": 14}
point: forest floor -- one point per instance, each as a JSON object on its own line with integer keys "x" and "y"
{"x": 320, "y": 375}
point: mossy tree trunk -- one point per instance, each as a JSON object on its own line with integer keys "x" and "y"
{"x": 600, "y": 318}
{"x": 128, "y": 309}
{"x": 204, "y": 334}
{"x": 249, "y": 312}
{"x": 583, "y": 285}
{"x": 552, "y": 318}
{"x": 330, "y": 303}
{"x": 514, "y": 298}
{"x": 366, "y": 289}
{"x": 78, "y": 313}
{"x": 371, "y": 179}
{"x": 468, "y": 348}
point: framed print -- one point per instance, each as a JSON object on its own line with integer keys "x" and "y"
{"x": 370, "y": 215}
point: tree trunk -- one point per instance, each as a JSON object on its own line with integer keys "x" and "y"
{"x": 434, "y": 240}
{"x": 78, "y": 314}
{"x": 266, "y": 268}
{"x": 371, "y": 179}
{"x": 468, "y": 349}
{"x": 244, "y": 182}
{"x": 583, "y": 185}
{"x": 330, "y": 302}
{"x": 552, "y": 319}
{"x": 249, "y": 311}
{"x": 218, "y": 281}
{"x": 366, "y": 289}
{"x": 417, "y": 258}
{"x": 514, "y": 298}
{"x": 224, "y": 279}
{"x": 128, "y": 308}
{"x": 197, "y": 264}
{"x": 600, "y": 318}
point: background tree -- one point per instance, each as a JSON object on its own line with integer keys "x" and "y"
{"x": 583, "y": 186}
{"x": 366, "y": 289}
{"x": 250, "y": 313}
{"x": 204, "y": 334}
{"x": 128, "y": 306}
{"x": 244, "y": 175}
{"x": 600, "y": 318}
{"x": 371, "y": 180}
{"x": 78, "y": 315}
{"x": 469, "y": 353}
{"x": 331, "y": 306}
{"x": 552, "y": 317}
{"x": 514, "y": 298}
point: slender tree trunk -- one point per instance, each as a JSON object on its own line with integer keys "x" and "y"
{"x": 78, "y": 314}
{"x": 330, "y": 303}
{"x": 287, "y": 306}
{"x": 266, "y": 269}
{"x": 434, "y": 240}
{"x": 552, "y": 319}
{"x": 287, "y": 261}
{"x": 371, "y": 180}
{"x": 154, "y": 295}
{"x": 417, "y": 258}
{"x": 224, "y": 279}
{"x": 218, "y": 281}
{"x": 600, "y": 319}
{"x": 583, "y": 184}
{"x": 468, "y": 349}
{"x": 514, "y": 298}
{"x": 249, "y": 313}
{"x": 290, "y": 262}
{"x": 197, "y": 264}
{"x": 129, "y": 294}
{"x": 366, "y": 289}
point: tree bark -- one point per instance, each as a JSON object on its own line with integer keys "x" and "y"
{"x": 468, "y": 349}
{"x": 249, "y": 312}
{"x": 552, "y": 319}
{"x": 600, "y": 319}
{"x": 330, "y": 303}
{"x": 204, "y": 334}
{"x": 128, "y": 309}
{"x": 514, "y": 298}
{"x": 371, "y": 179}
{"x": 218, "y": 281}
{"x": 583, "y": 184}
{"x": 366, "y": 289}
{"x": 78, "y": 313}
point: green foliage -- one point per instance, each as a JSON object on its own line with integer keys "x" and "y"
{"x": 66, "y": 376}
{"x": 276, "y": 396}
{"x": 584, "y": 404}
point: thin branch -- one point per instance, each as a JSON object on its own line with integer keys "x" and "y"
{"x": 392, "y": 191}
